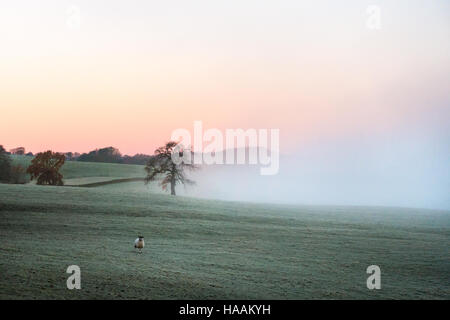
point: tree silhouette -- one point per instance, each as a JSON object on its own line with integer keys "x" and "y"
{"x": 45, "y": 167}
{"x": 161, "y": 164}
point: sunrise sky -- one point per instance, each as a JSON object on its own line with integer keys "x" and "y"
{"x": 132, "y": 71}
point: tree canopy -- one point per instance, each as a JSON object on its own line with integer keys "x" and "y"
{"x": 45, "y": 168}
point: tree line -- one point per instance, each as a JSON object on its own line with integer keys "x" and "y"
{"x": 111, "y": 155}
{"x": 108, "y": 155}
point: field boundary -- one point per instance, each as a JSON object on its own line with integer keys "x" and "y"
{"x": 103, "y": 183}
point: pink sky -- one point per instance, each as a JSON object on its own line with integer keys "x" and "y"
{"x": 130, "y": 75}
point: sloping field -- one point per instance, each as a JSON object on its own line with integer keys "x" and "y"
{"x": 79, "y": 173}
{"x": 202, "y": 249}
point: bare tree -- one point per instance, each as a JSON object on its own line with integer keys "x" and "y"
{"x": 162, "y": 165}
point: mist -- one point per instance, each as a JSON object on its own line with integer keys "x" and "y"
{"x": 403, "y": 170}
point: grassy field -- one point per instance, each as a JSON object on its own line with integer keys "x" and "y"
{"x": 204, "y": 249}
{"x": 79, "y": 173}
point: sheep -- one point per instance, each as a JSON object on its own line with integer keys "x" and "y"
{"x": 139, "y": 243}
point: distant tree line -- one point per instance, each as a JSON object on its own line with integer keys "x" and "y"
{"x": 18, "y": 151}
{"x": 112, "y": 155}
{"x": 108, "y": 154}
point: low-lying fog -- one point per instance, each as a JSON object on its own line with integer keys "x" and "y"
{"x": 388, "y": 172}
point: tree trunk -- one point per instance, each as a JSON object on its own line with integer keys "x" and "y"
{"x": 172, "y": 187}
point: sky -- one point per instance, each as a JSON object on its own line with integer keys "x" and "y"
{"x": 80, "y": 75}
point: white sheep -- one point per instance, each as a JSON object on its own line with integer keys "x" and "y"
{"x": 139, "y": 243}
